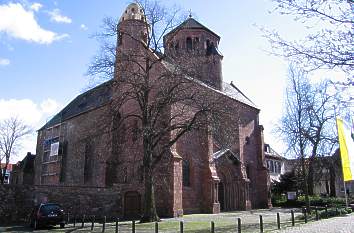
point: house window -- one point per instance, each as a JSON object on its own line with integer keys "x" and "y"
{"x": 186, "y": 173}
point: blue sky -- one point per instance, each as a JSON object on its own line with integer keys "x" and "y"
{"x": 45, "y": 49}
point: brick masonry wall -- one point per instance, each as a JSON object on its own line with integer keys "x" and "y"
{"x": 17, "y": 201}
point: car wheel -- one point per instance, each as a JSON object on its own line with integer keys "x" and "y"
{"x": 62, "y": 225}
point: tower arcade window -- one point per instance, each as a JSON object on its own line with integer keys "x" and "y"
{"x": 189, "y": 43}
{"x": 186, "y": 173}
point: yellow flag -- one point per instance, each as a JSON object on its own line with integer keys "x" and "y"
{"x": 346, "y": 145}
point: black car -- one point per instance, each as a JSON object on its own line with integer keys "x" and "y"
{"x": 48, "y": 214}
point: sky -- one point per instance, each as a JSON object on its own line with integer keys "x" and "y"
{"x": 46, "y": 47}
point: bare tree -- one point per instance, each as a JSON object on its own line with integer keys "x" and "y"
{"x": 329, "y": 43}
{"x": 11, "y": 132}
{"x": 307, "y": 124}
{"x": 160, "y": 97}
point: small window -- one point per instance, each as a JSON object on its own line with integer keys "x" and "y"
{"x": 177, "y": 46}
{"x": 133, "y": 10}
{"x": 120, "y": 38}
{"x": 186, "y": 173}
{"x": 248, "y": 171}
{"x": 189, "y": 43}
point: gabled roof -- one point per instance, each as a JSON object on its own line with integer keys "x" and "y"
{"x": 233, "y": 92}
{"x": 226, "y": 152}
{"x": 191, "y": 23}
{"x": 88, "y": 100}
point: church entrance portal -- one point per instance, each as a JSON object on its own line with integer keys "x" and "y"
{"x": 132, "y": 205}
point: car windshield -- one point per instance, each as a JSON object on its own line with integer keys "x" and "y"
{"x": 46, "y": 209}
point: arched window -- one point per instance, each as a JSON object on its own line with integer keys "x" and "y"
{"x": 189, "y": 43}
{"x": 186, "y": 173}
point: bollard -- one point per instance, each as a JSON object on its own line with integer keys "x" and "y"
{"x": 156, "y": 227}
{"x": 104, "y": 224}
{"x": 278, "y": 220}
{"x": 292, "y": 218}
{"x": 316, "y": 211}
{"x": 212, "y": 227}
{"x": 336, "y": 210}
{"x": 74, "y": 220}
{"x": 181, "y": 226}
{"x": 68, "y": 219}
{"x": 117, "y": 225}
{"x": 239, "y": 225}
{"x": 260, "y": 223}
{"x": 92, "y": 222}
{"x": 326, "y": 210}
{"x": 83, "y": 221}
{"x": 133, "y": 226}
{"x": 305, "y": 215}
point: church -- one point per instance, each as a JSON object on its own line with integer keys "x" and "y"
{"x": 81, "y": 148}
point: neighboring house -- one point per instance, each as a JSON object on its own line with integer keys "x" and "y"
{"x": 275, "y": 163}
{"x": 197, "y": 176}
{"x": 328, "y": 176}
{"x": 7, "y": 173}
{"x": 23, "y": 171}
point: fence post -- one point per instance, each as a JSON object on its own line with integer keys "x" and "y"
{"x": 83, "y": 221}
{"x": 92, "y": 222}
{"x": 305, "y": 215}
{"x": 316, "y": 211}
{"x": 117, "y": 225}
{"x": 74, "y": 220}
{"x": 261, "y": 223}
{"x": 239, "y": 225}
{"x": 326, "y": 209}
{"x": 104, "y": 224}
{"x": 292, "y": 218}
{"x": 133, "y": 226}
{"x": 278, "y": 220}
{"x": 212, "y": 227}
{"x": 181, "y": 226}
{"x": 156, "y": 227}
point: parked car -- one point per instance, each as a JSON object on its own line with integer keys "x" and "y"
{"x": 48, "y": 214}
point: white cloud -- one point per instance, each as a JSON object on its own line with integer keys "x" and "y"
{"x": 17, "y": 22}
{"x": 33, "y": 114}
{"x": 36, "y": 6}
{"x": 83, "y": 27}
{"x": 4, "y": 62}
{"x": 49, "y": 106}
{"x": 56, "y": 16}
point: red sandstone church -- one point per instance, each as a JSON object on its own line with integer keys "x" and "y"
{"x": 202, "y": 177}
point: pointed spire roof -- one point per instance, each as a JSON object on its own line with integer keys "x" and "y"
{"x": 191, "y": 23}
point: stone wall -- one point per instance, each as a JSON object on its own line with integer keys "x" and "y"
{"x": 17, "y": 201}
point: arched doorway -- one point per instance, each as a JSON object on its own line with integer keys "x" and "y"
{"x": 132, "y": 205}
{"x": 221, "y": 195}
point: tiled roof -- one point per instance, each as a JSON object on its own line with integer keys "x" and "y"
{"x": 191, "y": 23}
{"x": 88, "y": 100}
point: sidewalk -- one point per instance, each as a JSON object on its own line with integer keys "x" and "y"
{"x": 343, "y": 224}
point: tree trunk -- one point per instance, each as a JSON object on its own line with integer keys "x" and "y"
{"x": 305, "y": 186}
{"x": 332, "y": 182}
{"x": 310, "y": 177}
{"x": 150, "y": 214}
